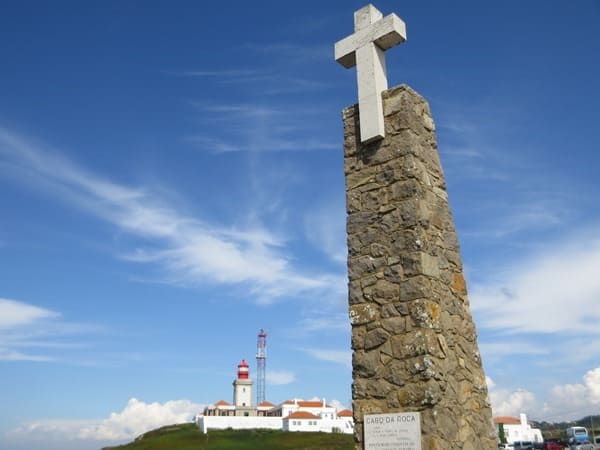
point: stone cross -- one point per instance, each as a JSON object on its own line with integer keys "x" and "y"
{"x": 365, "y": 49}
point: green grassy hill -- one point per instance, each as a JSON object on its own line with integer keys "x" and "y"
{"x": 189, "y": 437}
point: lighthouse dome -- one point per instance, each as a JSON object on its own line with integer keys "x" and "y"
{"x": 243, "y": 370}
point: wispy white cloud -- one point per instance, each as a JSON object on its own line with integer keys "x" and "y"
{"x": 240, "y": 109}
{"x": 32, "y": 333}
{"x": 554, "y": 291}
{"x": 280, "y": 377}
{"x": 292, "y": 52}
{"x": 469, "y": 150}
{"x": 188, "y": 249}
{"x": 14, "y": 313}
{"x": 267, "y": 82}
{"x": 563, "y": 348}
{"x": 534, "y": 212}
{"x": 136, "y": 418}
{"x": 504, "y": 196}
{"x": 343, "y": 357}
{"x": 540, "y": 308}
{"x": 16, "y": 322}
{"x": 262, "y": 144}
{"x": 223, "y": 73}
{"x": 324, "y": 321}
{"x": 510, "y": 347}
{"x": 325, "y": 228}
{"x": 12, "y": 355}
{"x": 259, "y": 128}
{"x": 289, "y": 85}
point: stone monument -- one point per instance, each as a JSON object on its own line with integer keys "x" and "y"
{"x": 415, "y": 353}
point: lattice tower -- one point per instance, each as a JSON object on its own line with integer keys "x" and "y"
{"x": 261, "y": 365}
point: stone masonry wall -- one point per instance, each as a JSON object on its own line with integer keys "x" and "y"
{"x": 413, "y": 337}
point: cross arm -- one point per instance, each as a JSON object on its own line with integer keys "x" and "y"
{"x": 385, "y": 33}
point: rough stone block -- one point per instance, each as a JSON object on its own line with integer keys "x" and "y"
{"x": 395, "y": 324}
{"x": 375, "y": 338}
{"x": 363, "y": 313}
{"x": 459, "y": 285}
{"x": 425, "y": 313}
{"x": 365, "y": 364}
{"x": 415, "y": 287}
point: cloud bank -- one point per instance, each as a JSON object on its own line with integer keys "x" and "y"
{"x": 564, "y": 402}
{"x": 136, "y": 418}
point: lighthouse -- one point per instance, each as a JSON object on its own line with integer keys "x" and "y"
{"x": 242, "y": 390}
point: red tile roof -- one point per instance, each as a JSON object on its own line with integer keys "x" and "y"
{"x": 266, "y": 403}
{"x": 302, "y": 415}
{"x": 306, "y": 404}
{"x": 222, "y": 403}
{"x": 345, "y": 413}
{"x": 507, "y": 420}
{"x": 311, "y": 404}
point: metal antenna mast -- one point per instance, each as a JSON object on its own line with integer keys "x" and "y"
{"x": 261, "y": 365}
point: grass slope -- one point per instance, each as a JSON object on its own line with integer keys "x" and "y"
{"x": 188, "y": 437}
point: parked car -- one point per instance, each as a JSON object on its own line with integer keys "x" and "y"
{"x": 585, "y": 445}
{"x": 553, "y": 445}
{"x": 506, "y": 447}
{"x": 523, "y": 445}
{"x": 597, "y": 443}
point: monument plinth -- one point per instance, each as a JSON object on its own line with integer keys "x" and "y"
{"x": 413, "y": 338}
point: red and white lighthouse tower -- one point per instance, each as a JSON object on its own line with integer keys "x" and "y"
{"x": 242, "y": 387}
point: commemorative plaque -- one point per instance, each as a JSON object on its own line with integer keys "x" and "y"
{"x": 395, "y": 431}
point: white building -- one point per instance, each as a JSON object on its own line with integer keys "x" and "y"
{"x": 516, "y": 430}
{"x": 291, "y": 415}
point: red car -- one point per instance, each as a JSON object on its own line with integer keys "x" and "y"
{"x": 549, "y": 445}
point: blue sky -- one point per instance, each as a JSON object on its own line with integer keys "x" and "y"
{"x": 171, "y": 182}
